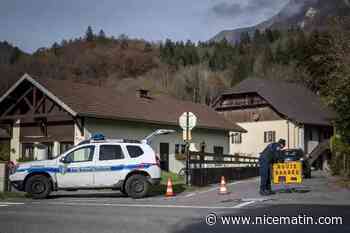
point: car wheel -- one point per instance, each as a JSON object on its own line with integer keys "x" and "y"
{"x": 137, "y": 186}
{"x": 38, "y": 187}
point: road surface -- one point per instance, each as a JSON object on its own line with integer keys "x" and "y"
{"x": 108, "y": 211}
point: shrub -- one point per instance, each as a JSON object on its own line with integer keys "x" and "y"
{"x": 340, "y": 163}
{"x": 4, "y": 152}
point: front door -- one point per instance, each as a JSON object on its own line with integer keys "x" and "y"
{"x": 164, "y": 156}
{"x": 78, "y": 172}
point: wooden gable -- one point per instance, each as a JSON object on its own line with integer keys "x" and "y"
{"x": 248, "y": 107}
{"x": 27, "y": 102}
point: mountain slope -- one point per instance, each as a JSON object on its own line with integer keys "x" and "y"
{"x": 307, "y": 14}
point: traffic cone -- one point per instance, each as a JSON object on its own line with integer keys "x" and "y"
{"x": 223, "y": 188}
{"x": 169, "y": 188}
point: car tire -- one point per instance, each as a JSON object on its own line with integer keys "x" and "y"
{"x": 137, "y": 186}
{"x": 38, "y": 187}
{"x": 123, "y": 191}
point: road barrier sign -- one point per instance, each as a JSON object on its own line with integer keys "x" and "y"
{"x": 289, "y": 173}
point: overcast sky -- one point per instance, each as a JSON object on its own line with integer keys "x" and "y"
{"x": 31, "y": 24}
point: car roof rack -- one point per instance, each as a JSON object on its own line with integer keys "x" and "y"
{"x": 109, "y": 141}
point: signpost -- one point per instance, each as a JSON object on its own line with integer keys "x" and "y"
{"x": 187, "y": 122}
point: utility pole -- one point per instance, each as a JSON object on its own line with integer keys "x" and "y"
{"x": 187, "y": 150}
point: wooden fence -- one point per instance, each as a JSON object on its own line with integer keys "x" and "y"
{"x": 207, "y": 168}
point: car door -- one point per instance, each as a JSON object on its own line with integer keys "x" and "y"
{"x": 78, "y": 169}
{"x": 111, "y": 164}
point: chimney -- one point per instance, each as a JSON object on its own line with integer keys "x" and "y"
{"x": 142, "y": 93}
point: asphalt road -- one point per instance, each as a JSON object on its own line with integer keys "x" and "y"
{"x": 92, "y": 212}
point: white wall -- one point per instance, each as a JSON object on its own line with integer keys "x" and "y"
{"x": 253, "y": 141}
{"x": 127, "y": 130}
{"x": 15, "y": 146}
{"x": 3, "y": 177}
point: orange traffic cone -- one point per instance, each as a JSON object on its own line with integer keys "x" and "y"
{"x": 169, "y": 188}
{"x": 223, "y": 188}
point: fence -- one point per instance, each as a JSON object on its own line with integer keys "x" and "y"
{"x": 207, "y": 168}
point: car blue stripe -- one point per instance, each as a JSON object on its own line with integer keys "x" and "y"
{"x": 62, "y": 169}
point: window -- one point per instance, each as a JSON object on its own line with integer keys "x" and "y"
{"x": 27, "y": 151}
{"x": 183, "y": 149}
{"x": 84, "y": 154}
{"x": 218, "y": 150}
{"x": 236, "y": 138}
{"x": 177, "y": 148}
{"x": 134, "y": 151}
{"x": 311, "y": 138}
{"x": 269, "y": 136}
{"x": 180, "y": 148}
{"x": 111, "y": 152}
{"x": 64, "y": 146}
{"x": 49, "y": 147}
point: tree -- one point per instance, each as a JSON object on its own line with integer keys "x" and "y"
{"x": 245, "y": 38}
{"x": 15, "y": 55}
{"x": 280, "y": 55}
{"x": 55, "y": 48}
{"x": 148, "y": 47}
{"x": 89, "y": 35}
{"x": 269, "y": 35}
{"x": 101, "y": 35}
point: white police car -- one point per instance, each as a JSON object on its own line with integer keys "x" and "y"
{"x": 128, "y": 165}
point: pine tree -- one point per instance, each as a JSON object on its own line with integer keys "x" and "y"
{"x": 101, "y": 35}
{"x": 55, "y": 48}
{"x": 280, "y": 56}
{"x": 245, "y": 38}
{"x": 89, "y": 35}
{"x": 257, "y": 37}
{"x": 15, "y": 55}
{"x": 269, "y": 35}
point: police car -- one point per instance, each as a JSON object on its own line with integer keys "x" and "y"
{"x": 127, "y": 165}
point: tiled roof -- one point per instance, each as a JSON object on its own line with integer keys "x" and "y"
{"x": 104, "y": 102}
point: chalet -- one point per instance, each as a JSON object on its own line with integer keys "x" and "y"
{"x": 270, "y": 110}
{"x": 46, "y": 117}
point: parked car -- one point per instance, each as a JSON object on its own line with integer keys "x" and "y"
{"x": 298, "y": 155}
{"x": 130, "y": 166}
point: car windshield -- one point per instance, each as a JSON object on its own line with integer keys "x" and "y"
{"x": 292, "y": 154}
{"x": 55, "y": 157}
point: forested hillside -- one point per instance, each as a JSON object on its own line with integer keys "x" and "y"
{"x": 196, "y": 72}
{"x": 200, "y": 71}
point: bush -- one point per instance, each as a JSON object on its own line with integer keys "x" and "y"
{"x": 340, "y": 163}
{"x": 4, "y": 152}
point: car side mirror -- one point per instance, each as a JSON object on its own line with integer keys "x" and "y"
{"x": 65, "y": 159}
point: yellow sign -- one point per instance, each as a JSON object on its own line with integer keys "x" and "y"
{"x": 289, "y": 173}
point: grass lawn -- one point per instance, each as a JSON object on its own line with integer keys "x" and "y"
{"x": 179, "y": 185}
{"x": 344, "y": 183}
{"x": 6, "y": 195}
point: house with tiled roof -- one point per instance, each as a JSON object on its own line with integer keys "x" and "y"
{"x": 46, "y": 117}
{"x": 269, "y": 110}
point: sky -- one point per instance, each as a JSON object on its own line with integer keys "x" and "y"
{"x": 32, "y": 24}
